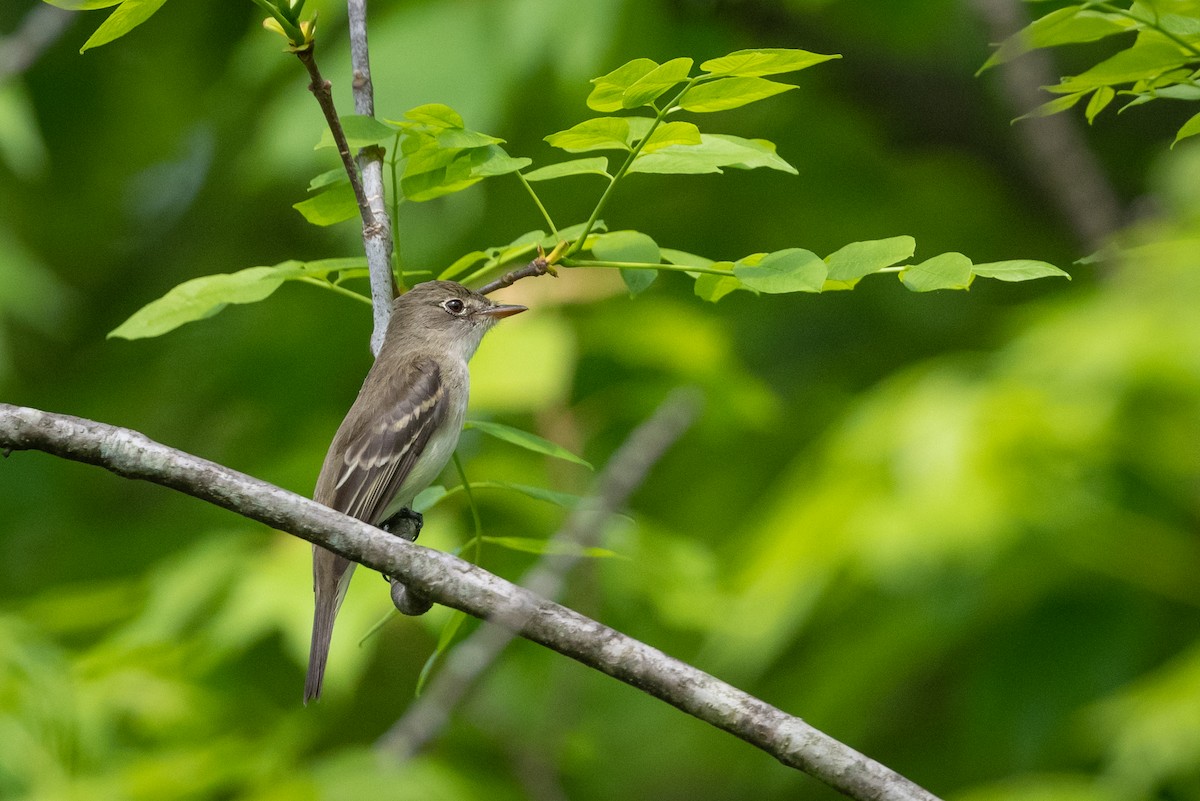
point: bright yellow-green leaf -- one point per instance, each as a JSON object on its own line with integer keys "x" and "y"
{"x": 610, "y": 89}
{"x": 857, "y": 259}
{"x": 361, "y": 131}
{"x": 126, "y": 17}
{"x": 714, "y": 152}
{"x": 728, "y": 93}
{"x": 332, "y": 205}
{"x": 946, "y": 271}
{"x": 1100, "y": 98}
{"x": 82, "y": 5}
{"x": 671, "y": 133}
{"x": 768, "y": 61}
{"x": 1189, "y": 128}
{"x": 791, "y": 270}
{"x": 713, "y": 287}
{"x": 203, "y": 297}
{"x": 600, "y": 133}
{"x": 654, "y": 83}
{"x": 630, "y": 246}
{"x": 1069, "y": 25}
{"x": 1018, "y": 270}
{"x": 589, "y": 166}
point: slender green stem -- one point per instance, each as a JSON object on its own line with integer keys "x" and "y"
{"x": 633, "y": 154}
{"x": 643, "y": 265}
{"x": 466, "y": 485}
{"x": 341, "y": 290}
{"x": 538, "y": 202}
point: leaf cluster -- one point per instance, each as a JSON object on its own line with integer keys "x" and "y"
{"x": 1161, "y": 60}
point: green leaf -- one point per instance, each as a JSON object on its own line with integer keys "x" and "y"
{"x": 1189, "y": 128}
{"x": 490, "y": 161}
{"x": 564, "y": 499}
{"x": 125, "y": 18}
{"x": 203, "y": 297}
{"x": 462, "y": 264}
{"x": 1101, "y": 98}
{"x": 361, "y": 131}
{"x": 714, "y": 152}
{"x": 610, "y": 89}
{"x": 589, "y": 166}
{"x": 526, "y": 440}
{"x": 669, "y": 134}
{"x": 1018, "y": 270}
{"x": 768, "y": 61}
{"x": 82, "y": 5}
{"x": 600, "y": 133}
{"x": 449, "y": 631}
{"x": 1070, "y": 25}
{"x": 328, "y": 178}
{"x": 553, "y": 547}
{"x": 1147, "y": 58}
{"x": 728, "y": 93}
{"x": 434, "y": 116}
{"x": 712, "y": 287}
{"x": 333, "y": 205}
{"x": 655, "y": 82}
{"x": 791, "y": 270}
{"x": 1053, "y": 107}
{"x": 859, "y": 259}
{"x": 629, "y": 246}
{"x": 947, "y": 271}
{"x": 428, "y": 498}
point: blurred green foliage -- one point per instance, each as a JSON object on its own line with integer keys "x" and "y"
{"x": 957, "y": 530}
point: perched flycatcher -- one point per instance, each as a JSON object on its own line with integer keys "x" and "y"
{"x": 401, "y": 430}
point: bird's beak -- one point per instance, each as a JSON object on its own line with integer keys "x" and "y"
{"x": 500, "y": 311}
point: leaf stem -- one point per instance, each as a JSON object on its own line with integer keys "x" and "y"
{"x": 538, "y": 202}
{"x": 332, "y": 287}
{"x": 577, "y": 245}
{"x": 643, "y": 265}
{"x": 466, "y": 485}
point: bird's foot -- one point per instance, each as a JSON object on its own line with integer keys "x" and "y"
{"x": 404, "y": 521}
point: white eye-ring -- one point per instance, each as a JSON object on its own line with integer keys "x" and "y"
{"x": 454, "y": 306}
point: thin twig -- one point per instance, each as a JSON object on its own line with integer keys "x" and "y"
{"x": 542, "y": 265}
{"x": 467, "y": 663}
{"x": 322, "y": 91}
{"x": 453, "y": 582}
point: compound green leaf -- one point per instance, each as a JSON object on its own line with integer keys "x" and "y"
{"x": 791, "y": 270}
{"x": 767, "y": 61}
{"x": 728, "y": 93}
{"x": 1070, "y": 25}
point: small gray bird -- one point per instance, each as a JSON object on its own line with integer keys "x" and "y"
{"x": 400, "y": 432}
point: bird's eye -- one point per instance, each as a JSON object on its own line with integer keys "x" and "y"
{"x": 454, "y": 306}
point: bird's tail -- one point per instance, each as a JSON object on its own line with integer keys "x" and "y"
{"x": 331, "y": 578}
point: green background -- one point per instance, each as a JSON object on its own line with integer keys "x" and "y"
{"x": 957, "y": 531}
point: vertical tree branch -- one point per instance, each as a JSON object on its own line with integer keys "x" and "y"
{"x": 377, "y": 237}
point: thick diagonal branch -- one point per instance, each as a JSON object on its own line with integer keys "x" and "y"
{"x": 453, "y": 582}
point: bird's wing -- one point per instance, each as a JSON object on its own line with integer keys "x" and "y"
{"x": 370, "y": 457}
